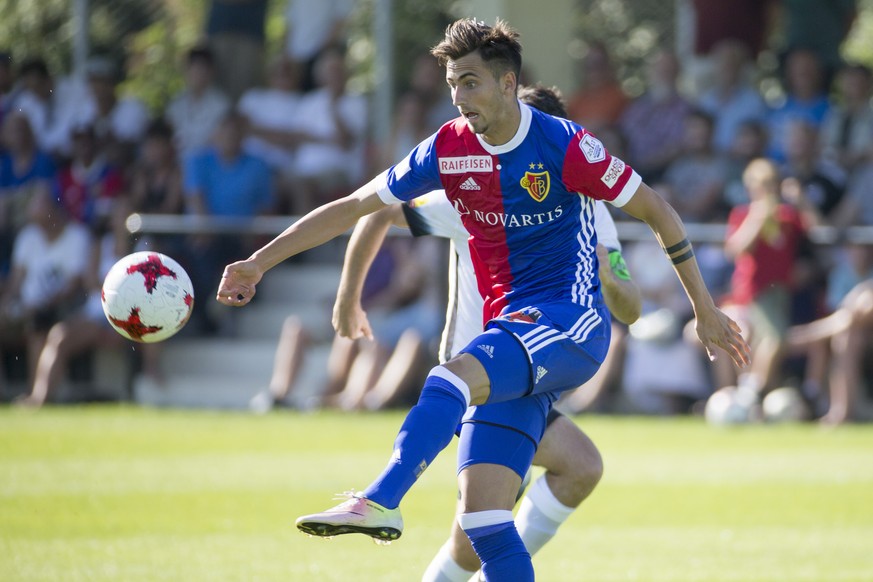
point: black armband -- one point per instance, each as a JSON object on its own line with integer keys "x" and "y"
{"x": 683, "y": 247}
{"x": 683, "y": 257}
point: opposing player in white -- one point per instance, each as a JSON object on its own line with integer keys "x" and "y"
{"x": 572, "y": 462}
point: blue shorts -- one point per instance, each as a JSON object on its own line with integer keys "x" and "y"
{"x": 531, "y": 356}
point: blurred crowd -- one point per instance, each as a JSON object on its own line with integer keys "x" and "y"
{"x": 244, "y": 140}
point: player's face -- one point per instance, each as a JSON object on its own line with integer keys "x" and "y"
{"x": 487, "y": 103}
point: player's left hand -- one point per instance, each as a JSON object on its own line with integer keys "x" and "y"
{"x": 238, "y": 283}
{"x": 350, "y": 320}
{"x": 717, "y": 330}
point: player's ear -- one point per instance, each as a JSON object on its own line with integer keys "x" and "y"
{"x": 510, "y": 83}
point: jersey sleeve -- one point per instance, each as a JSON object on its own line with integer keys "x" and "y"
{"x": 590, "y": 170}
{"x": 604, "y": 226}
{"x": 413, "y": 176}
{"x": 433, "y": 214}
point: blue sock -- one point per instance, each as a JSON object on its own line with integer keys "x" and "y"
{"x": 427, "y": 430}
{"x": 498, "y": 545}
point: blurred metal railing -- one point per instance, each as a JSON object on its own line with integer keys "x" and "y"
{"x": 273, "y": 225}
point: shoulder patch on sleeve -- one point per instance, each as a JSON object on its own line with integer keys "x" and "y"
{"x": 592, "y": 148}
{"x": 613, "y": 172}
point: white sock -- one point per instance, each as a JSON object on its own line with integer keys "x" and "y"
{"x": 443, "y": 568}
{"x": 539, "y": 516}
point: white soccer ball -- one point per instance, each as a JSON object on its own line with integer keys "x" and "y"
{"x": 723, "y": 408}
{"x": 147, "y": 297}
{"x": 785, "y": 404}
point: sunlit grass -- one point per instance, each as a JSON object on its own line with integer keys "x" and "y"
{"x": 116, "y": 493}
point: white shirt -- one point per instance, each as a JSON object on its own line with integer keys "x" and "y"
{"x": 314, "y": 159}
{"x": 194, "y": 120}
{"x": 50, "y": 265}
{"x": 275, "y": 110}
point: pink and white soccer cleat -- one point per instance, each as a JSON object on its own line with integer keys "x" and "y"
{"x": 356, "y": 514}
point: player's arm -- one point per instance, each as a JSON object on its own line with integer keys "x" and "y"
{"x": 315, "y": 228}
{"x": 349, "y": 317}
{"x": 714, "y": 328}
{"x": 621, "y": 294}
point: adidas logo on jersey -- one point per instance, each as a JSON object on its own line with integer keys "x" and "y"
{"x": 487, "y": 349}
{"x": 470, "y": 184}
{"x": 540, "y": 373}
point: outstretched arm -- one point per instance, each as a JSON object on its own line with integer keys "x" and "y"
{"x": 349, "y": 317}
{"x": 621, "y": 294}
{"x": 714, "y": 328}
{"x": 317, "y": 227}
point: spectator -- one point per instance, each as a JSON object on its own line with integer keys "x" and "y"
{"x": 856, "y": 207}
{"x": 653, "y": 123}
{"x": 409, "y": 127}
{"x": 847, "y": 134}
{"x": 22, "y": 166}
{"x": 599, "y": 101}
{"x": 428, "y": 82}
{"x": 331, "y": 158}
{"x": 86, "y": 328}
{"x": 118, "y": 122}
{"x": 49, "y": 265}
{"x": 694, "y": 182}
{"x": 764, "y": 239}
{"x": 749, "y": 143}
{"x": 196, "y": 111}
{"x": 310, "y": 28}
{"x": 647, "y": 385}
{"x": 819, "y": 26}
{"x": 236, "y": 31}
{"x": 222, "y": 181}
{"x": 846, "y": 329}
{"x": 89, "y": 185}
{"x": 156, "y": 185}
{"x": 805, "y": 100}
{"x": 156, "y": 179}
{"x": 813, "y": 184}
{"x": 37, "y": 101}
{"x": 406, "y": 314}
{"x": 373, "y": 373}
{"x": 274, "y": 126}
{"x": 731, "y": 99}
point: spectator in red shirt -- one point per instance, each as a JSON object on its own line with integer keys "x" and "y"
{"x": 88, "y": 185}
{"x": 764, "y": 239}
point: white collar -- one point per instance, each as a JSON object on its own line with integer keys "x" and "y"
{"x": 520, "y": 134}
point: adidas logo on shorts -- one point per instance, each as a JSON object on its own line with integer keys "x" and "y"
{"x": 540, "y": 373}
{"x": 470, "y": 184}
{"x": 487, "y": 349}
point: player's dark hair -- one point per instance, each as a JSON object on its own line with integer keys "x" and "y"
{"x": 546, "y": 99}
{"x": 497, "y": 45}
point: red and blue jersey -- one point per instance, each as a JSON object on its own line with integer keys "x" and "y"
{"x": 528, "y": 205}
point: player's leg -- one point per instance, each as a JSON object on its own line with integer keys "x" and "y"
{"x": 488, "y": 492}
{"x": 573, "y": 468}
{"x": 428, "y": 428}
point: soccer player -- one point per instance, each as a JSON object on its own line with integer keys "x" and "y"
{"x": 572, "y": 462}
{"x": 515, "y": 176}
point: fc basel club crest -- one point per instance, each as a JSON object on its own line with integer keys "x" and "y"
{"x": 536, "y": 184}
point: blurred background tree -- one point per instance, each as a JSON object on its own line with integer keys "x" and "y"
{"x": 150, "y": 37}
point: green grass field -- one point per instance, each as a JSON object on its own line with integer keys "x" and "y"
{"x": 118, "y": 493}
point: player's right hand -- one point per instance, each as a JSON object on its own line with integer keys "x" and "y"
{"x": 350, "y": 320}
{"x": 238, "y": 283}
